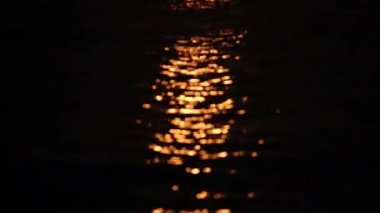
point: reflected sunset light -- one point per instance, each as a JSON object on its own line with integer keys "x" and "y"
{"x": 192, "y": 94}
{"x": 195, "y": 112}
{"x": 198, "y": 4}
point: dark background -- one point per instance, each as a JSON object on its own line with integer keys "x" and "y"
{"x": 70, "y": 79}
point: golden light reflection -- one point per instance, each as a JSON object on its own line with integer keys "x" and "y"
{"x": 202, "y": 195}
{"x": 146, "y": 106}
{"x": 192, "y": 93}
{"x": 196, "y": 112}
{"x": 159, "y": 210}
{"x": 207, "y": 170}
{"x": 261, "y": 141}
{"x": 175, "y": 161}
{"x": 223, "y": 211}
{"x": 162, "y": 210}
{"x": 198, "y": 127}
{"x": 175, "y": 188}
{"x": 193, "y": 171}
{"x": 197, "y": 171}
{"x": 194, "y": 151}
{"x": 254, "y": 154}
{"x": 198, "y": 4}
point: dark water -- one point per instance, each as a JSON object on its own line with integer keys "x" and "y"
{"x": 190, "y": 106}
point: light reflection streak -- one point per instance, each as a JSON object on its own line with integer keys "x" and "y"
{"x": 192, "y": 97}
{"x": 192, "y": 93}
{"x": 162, "y": 210}
{"x": 198, "y": 4}
{"x": 198, "y": 127}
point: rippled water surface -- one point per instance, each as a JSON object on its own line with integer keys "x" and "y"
{"x": 195, "y": 113}
{"x": 192, "y": 106}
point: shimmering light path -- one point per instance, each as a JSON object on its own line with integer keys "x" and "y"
{"x": 195, "y": 115}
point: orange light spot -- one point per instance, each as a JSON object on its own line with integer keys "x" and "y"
{"x": 228, "y": 82}
{"x": 175, "y": 188}
{"x": 223, "y": 211}
{"x": 159, "y": 98}
{"x": 202, "y": 195}
{"x": 159, "y": 210}
{"x": 261, "y": 141}
{"x": 207, "y": 170}
{"x": 175, "y": 161}
{"x": 222, "y": 154}
{"x": 146, "y": 106}
{"x": 194, "y": 171}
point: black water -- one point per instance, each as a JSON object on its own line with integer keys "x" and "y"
{"x": 75, "y": 74}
